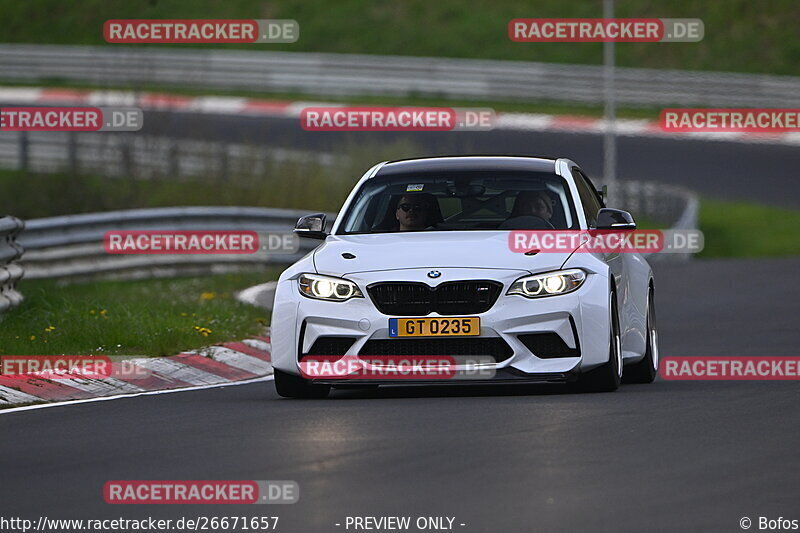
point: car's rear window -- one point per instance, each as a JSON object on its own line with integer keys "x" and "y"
{"x": 461, "y": 201}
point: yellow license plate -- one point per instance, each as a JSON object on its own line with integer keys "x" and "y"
{"x": 434, "y": 327}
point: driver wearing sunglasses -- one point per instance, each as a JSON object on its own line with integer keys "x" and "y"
{"x": 414, "y": 212}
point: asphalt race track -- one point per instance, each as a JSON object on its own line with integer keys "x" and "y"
{"x": 671, "y": 456}
{"x": 751, "y": 172}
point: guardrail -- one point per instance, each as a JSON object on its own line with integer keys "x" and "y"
{"x": 10, "y": 271}
{"x": 355, "y": 75}
{"x": 72, "y": 246}
{"x": 669, "y": 206}
{"x": 666, "y": 205}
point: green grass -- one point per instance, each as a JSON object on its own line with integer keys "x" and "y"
{"x": 740, "y": 35}
{"x": 737, "y": 229}
{"x": 150, "y": 317}
{"x": 30, "y": 195}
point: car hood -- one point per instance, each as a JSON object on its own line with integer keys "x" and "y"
{"x": 457, "y": 249}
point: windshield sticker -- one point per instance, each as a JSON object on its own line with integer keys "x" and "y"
{"x": 416, "y": 187}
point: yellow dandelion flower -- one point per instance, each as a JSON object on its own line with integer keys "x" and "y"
{"x": 202, "y": 331}
{"x": 33, "y": 337}
{"x": 208, "y": 295}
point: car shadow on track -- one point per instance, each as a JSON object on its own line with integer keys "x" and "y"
{"x": 455, "y": 391}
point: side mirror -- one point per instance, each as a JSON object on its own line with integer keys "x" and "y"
{"x": 311, "y": 227}
{"x": 615, "y": 219}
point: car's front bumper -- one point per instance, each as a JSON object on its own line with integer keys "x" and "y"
{"x": 579, "y": 318}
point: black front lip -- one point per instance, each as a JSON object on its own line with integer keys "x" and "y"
{"x": 502, "y": 376}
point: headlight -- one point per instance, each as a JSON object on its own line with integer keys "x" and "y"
{"x": 327, "y": 288}
{"x": 548, "y": 284}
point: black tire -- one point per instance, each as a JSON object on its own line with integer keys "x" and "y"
{"x": 607, "y": 377}
{"x": 646, "y": 370}
{"x": 290, "y": 386}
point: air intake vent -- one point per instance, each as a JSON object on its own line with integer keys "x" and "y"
{"x": 454, "y": 346}
{"x": 330, "y": 346}
{"x": 548, "y": 345}
{"x": 450, "y": 298}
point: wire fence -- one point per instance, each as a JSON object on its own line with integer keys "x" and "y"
{"x": 142, "y": 156}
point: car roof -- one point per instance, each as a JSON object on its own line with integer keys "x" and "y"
{"x": 464, "y": 163}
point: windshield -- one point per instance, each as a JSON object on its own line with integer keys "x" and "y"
{"x": 461, "y": 201}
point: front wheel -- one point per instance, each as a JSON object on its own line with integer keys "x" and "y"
{"x": 290, "y": 386}
{"x": 607, "y": 377}
{"x": 645, "y": 371}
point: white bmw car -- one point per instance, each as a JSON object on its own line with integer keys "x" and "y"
{"x": 418, "y": 263}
